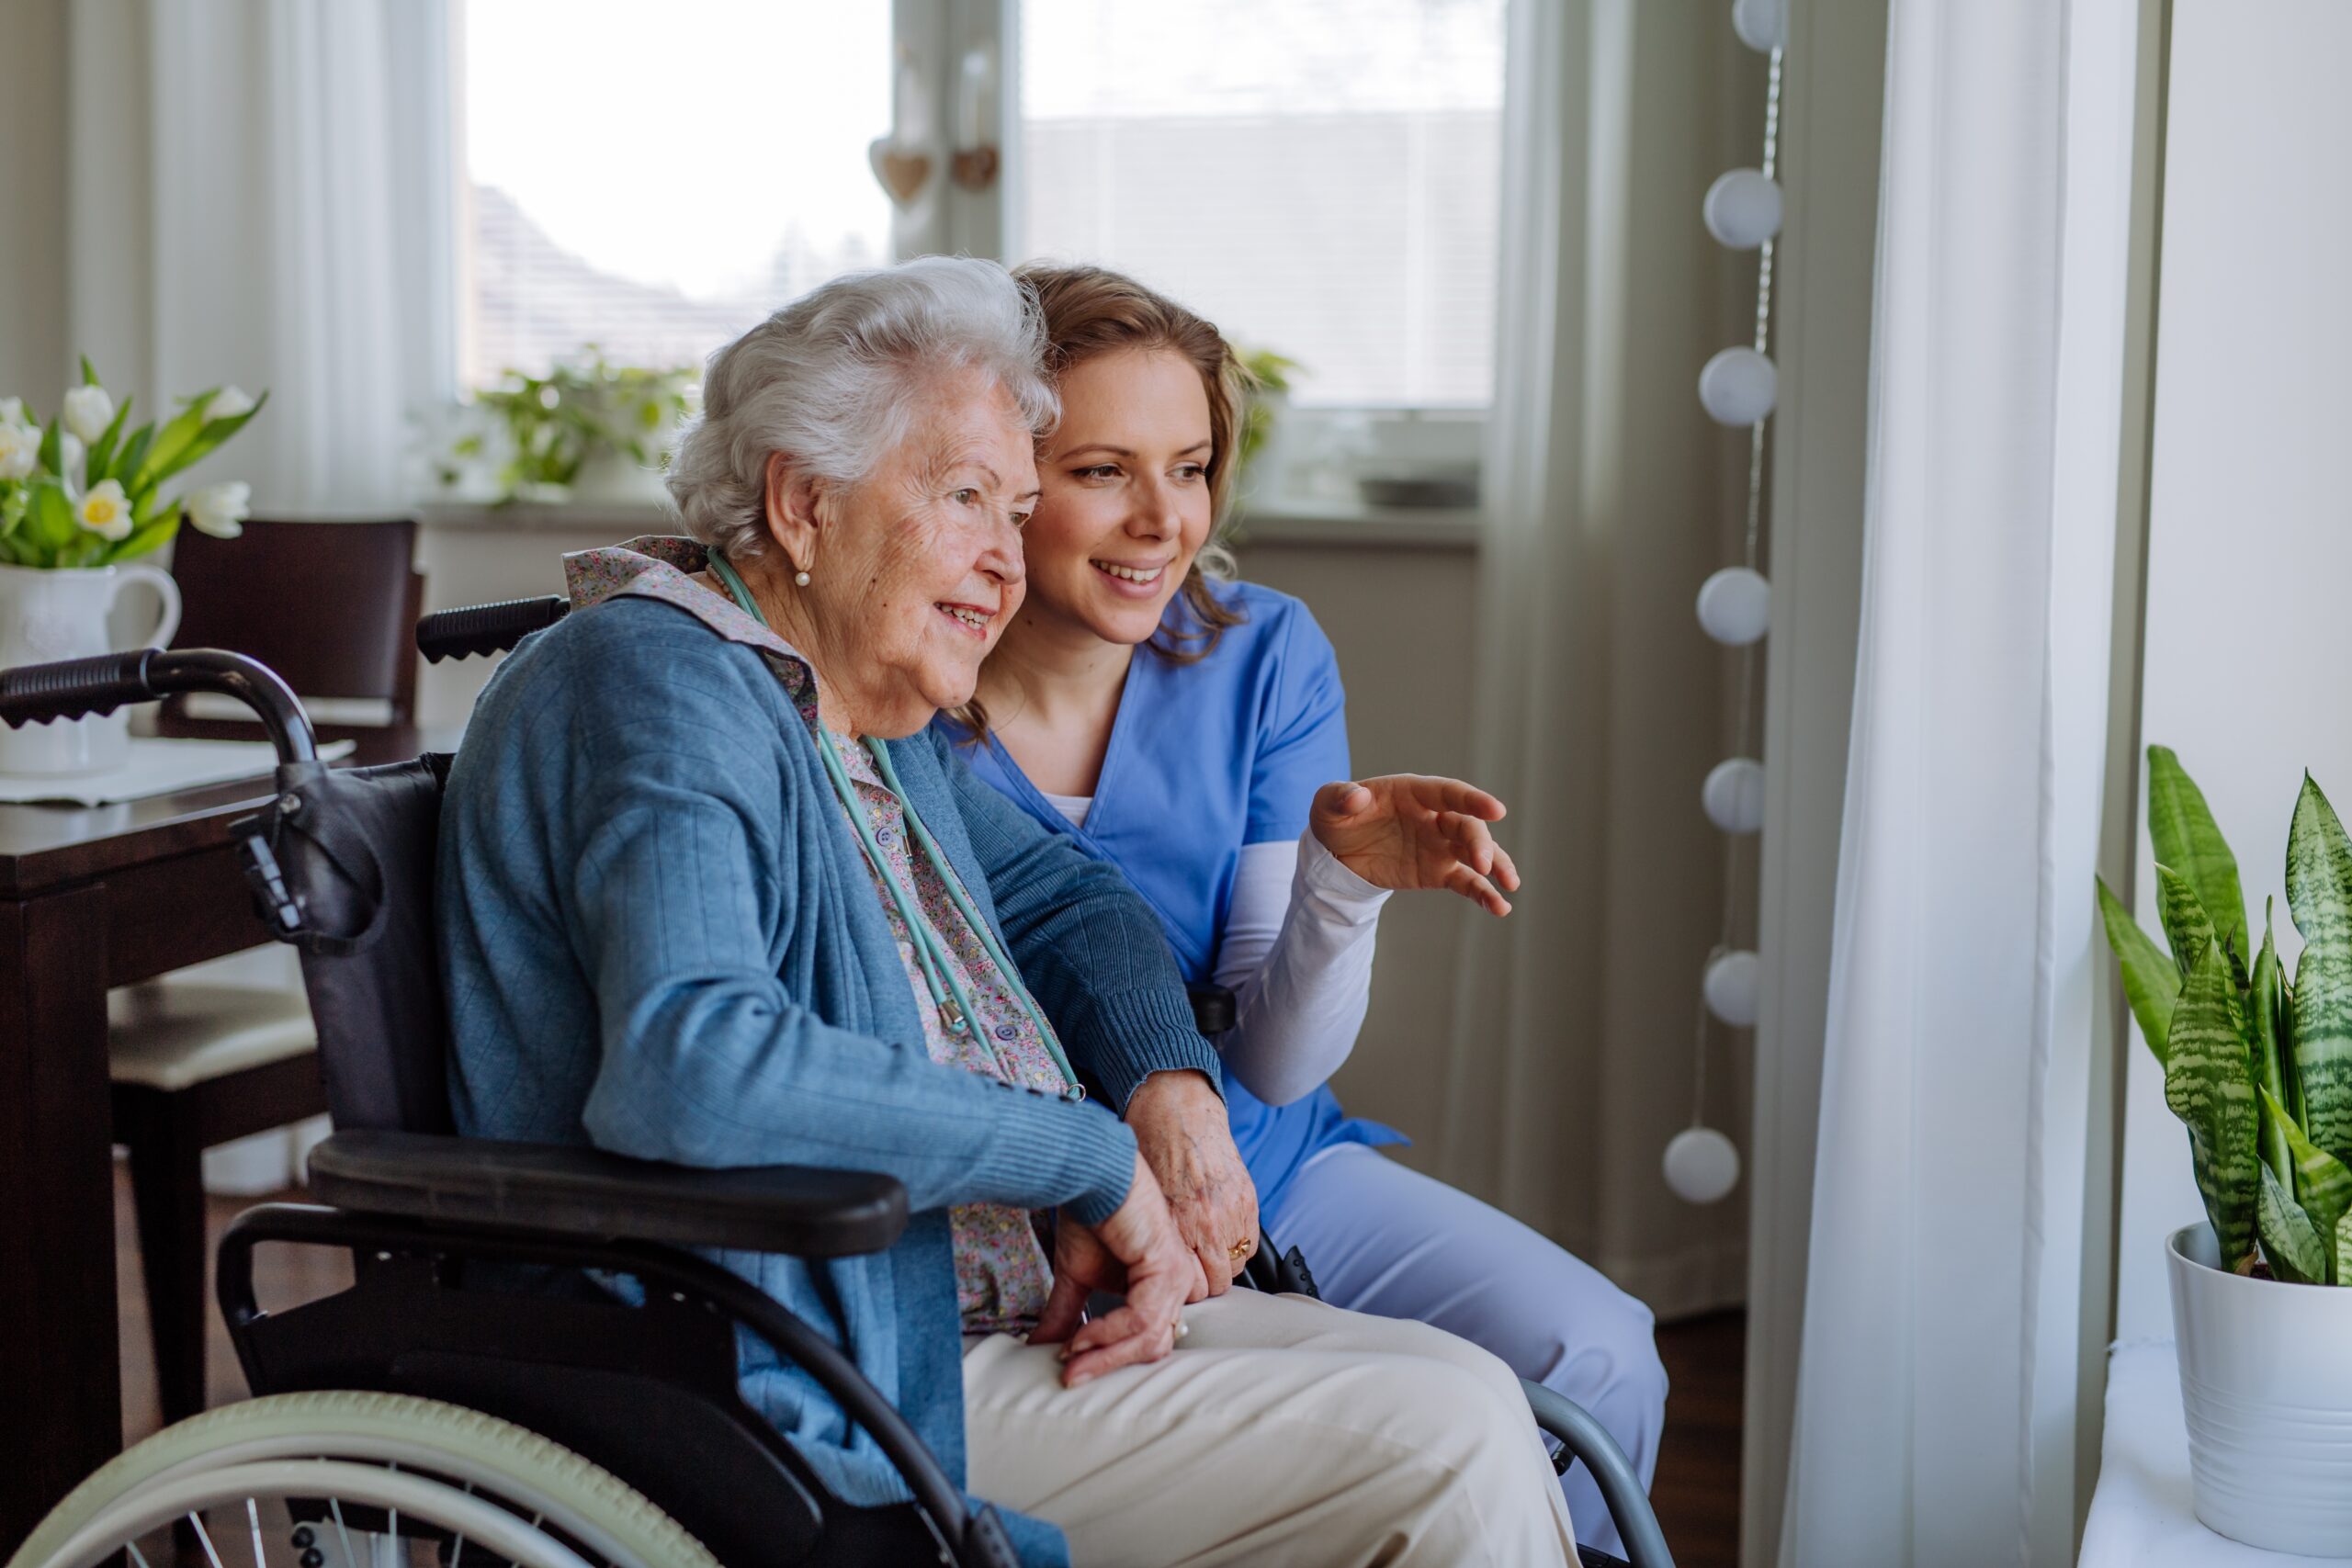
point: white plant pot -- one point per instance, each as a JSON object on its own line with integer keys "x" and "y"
{"x": 617, "y": 480}
{"x": 47, "y": 616}
{"x": 2266, "y": 1379}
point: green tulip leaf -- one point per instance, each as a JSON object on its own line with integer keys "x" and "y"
{"x": 2344, "y": 1250}
{"x": 2187, "y": 929}
{"x": 2290, "y": 1240}
{"x": 208, "y": 439}
{"x": 51, "y": 456}
{"x": 2319, "y": 892}
{"x": 142, "y": 541}
{"x": 2151, "y": 982}
{"x": 94, "y": 466}
{"x": 2188, "y": 841}
{"x": 164, "y": 456}
{"x": 49, "y": 524}
{"x": 89, "y": 377}
{"x": 2208, "y": 1087}
{"x": 135, "y": 452}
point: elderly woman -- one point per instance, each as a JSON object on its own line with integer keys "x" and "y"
{"x": 714, "y": 894}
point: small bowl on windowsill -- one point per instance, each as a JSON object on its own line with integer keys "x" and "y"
{"x": 1425, "y": 490}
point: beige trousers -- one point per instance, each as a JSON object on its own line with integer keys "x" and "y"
{"x": 1281, "y": 1431}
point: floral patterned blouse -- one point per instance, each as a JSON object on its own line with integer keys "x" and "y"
{"x": 1002, "y": 1275}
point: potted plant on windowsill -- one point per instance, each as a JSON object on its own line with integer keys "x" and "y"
{"x": 81, "y": 498}
{"x": 2261, "y": 1069}
{"x": 589, "y": 430}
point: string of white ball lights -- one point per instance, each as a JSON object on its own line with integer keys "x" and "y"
{"x": 1738, "y": 387}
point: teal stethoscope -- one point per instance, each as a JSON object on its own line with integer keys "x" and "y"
{"x": 954, "y": 1007}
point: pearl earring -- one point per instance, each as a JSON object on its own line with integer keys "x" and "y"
{"x": 800, "y": 580}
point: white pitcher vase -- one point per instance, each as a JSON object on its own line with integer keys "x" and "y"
{"x": 48, "y": 615}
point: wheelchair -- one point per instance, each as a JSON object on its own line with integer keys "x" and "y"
{"x": 474, "y": 1395}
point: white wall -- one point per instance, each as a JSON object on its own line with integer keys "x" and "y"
{"x": 1407, "y": 713}
{"x": 34, "y": 355}
{"x": 2250, "y": 533}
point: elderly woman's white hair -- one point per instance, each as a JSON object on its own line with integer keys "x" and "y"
{"x": 833, "y": 378}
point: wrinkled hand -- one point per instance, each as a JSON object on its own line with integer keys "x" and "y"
{"x": 1135, "y": 1250}
{"x": 1181, "y": 1129}
{"x": 1410, "y": 831}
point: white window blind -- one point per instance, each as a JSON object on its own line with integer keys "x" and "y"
{"x": 1317, "y": 176}
{"x": 654, "y": 179}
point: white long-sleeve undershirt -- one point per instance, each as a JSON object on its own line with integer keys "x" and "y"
{"x": 1296, "y": 952}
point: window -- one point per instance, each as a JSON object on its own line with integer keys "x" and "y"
{"x": 654, "y": 179}
{"x": 1319, "y": 179}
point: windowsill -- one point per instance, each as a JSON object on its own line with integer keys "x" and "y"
{"x": 1355, "y": 525}
{"x": 615, "y": 519}
{"x": 1335, "y": 524}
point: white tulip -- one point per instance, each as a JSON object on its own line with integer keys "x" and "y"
{"x": 88, "y": 411}
{"x": 106, "y": 511}
{"x": 220, "y": 510}
{"x": 70, "y": 453}
{"x": 12, "y": 413}
{"x": 19, "y": 450}
{"x": 227, "y": 403}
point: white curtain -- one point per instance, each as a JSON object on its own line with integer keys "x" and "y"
{"x": 1936, "y": 1406}
{"x": 260, "y": 196}
{"x": 1601, "y": 706}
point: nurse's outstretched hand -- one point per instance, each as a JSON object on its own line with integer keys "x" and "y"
{"x": 1410, "y": 831}
{"x": 1136, "y": 1251}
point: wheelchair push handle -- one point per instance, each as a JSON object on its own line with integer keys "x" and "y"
{"x": 477, "y": 629}
{"x": 76, "y": 688}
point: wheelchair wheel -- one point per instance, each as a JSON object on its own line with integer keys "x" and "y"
{"x": 345, "y": 1479}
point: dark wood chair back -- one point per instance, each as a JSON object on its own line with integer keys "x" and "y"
{"x": 330, "y": 606}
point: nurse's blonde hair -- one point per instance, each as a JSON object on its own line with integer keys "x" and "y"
{"x": 1089, "y": 311}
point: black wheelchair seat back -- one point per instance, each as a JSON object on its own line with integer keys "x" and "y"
{"x": 355, "y": 851}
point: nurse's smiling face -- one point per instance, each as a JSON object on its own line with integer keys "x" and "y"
{"x": 1126, "y": 503}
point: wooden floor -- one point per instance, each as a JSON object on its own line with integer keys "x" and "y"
{"x": 1696, "y": 1490}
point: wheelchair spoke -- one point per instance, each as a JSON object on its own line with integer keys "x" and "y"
{"x": 335, "y": 1506}
{"x": 253, "y": 1518}
{"x": 457, "y": 1555}
{"x": 136, "y": 1555}
{"x": 204, "y": 1537}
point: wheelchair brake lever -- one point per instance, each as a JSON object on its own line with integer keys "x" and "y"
{"x": 272, "y": 899}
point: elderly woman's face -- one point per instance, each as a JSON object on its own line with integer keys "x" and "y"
{"x": 1126, "y": 505}
{"x": 919, "y": 568}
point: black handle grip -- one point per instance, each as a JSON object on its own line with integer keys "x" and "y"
{"x": 485, "y": 629}
{"x": 74, "y": 688}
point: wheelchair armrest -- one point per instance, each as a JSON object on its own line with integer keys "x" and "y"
{"x": 584, "y": 1192}
{"x": 1621, "y": 1488}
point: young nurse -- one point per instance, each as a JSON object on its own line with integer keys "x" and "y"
{"x": 1192, "y": 730}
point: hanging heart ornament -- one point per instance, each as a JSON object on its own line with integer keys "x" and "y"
{"x": 902, "y": 174}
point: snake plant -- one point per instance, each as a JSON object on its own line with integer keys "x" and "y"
{"x": 2258, "y": 1066}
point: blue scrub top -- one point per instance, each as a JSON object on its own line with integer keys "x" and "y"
{"x": 1206, "y": 758}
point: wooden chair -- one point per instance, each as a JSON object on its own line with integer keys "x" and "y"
{"x": 333, "y": 608}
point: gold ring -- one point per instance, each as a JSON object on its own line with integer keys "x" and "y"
{"x": 1241, "y": 1249}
